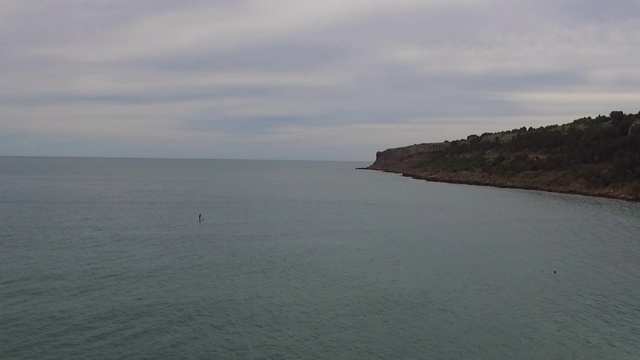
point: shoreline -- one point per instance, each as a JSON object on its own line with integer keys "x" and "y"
{"x": 596, "y": 157}
{"x": 464, "y": 179}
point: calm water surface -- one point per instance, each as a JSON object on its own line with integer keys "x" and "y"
{"x": 105, "y": 258}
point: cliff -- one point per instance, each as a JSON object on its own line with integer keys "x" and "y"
{"x": 596, "y": 157}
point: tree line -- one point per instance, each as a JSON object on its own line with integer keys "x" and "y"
{"x": 603, "y": 150}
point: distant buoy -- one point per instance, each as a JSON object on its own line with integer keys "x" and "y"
{"x": 554, "y": 271}
{"x": 200, "y": 218}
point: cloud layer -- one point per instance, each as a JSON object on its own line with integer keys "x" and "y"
{"x": 302, "y": 79}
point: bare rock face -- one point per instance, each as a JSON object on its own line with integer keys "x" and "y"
{"x": 635, "y": 128}
{"x": 406, "y": 157}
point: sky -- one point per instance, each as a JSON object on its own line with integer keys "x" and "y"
{"x": 303, "y": 80}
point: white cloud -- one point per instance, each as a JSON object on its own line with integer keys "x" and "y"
{"x": 114, "y": 82}
{"x": 230, "y": 26}
{"x": 575, "y": 104}
{"x": 557, "y": 49}
{"x": 10, "y": 7}
{"x": 210, "y": 27}
{"x": 137, "y": 121}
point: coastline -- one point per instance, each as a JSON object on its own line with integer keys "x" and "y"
{"x": 476, "y": 179}
{"x": 596, "y": 157}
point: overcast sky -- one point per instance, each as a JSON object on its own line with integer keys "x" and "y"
{"x": 324, "y": 79}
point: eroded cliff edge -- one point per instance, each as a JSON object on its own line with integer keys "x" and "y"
{"x": 590, "y": 156}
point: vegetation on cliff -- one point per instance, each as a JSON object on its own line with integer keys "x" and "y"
{"x": 593, "y": 156}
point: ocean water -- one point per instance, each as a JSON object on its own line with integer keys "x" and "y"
{"x": 106, "y": 259}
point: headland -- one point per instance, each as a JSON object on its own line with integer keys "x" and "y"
{"x": 590, "y": 156}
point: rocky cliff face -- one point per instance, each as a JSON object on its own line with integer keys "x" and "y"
{"x": 634, "y": 129}
{"x": 407, "y": 157}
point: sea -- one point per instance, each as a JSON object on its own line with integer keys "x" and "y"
{"x": 107, "y": 259}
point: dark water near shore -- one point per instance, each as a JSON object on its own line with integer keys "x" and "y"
{"x": 105, "y": 258}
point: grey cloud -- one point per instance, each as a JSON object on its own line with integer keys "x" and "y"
{"x": 246, "y": 125}
{"x": 293, "y": 56}
{"x": 599, "y": 12}
{"x": 278, "y": 76}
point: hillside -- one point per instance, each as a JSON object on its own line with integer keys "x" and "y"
{"x": 590, "y": 156}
